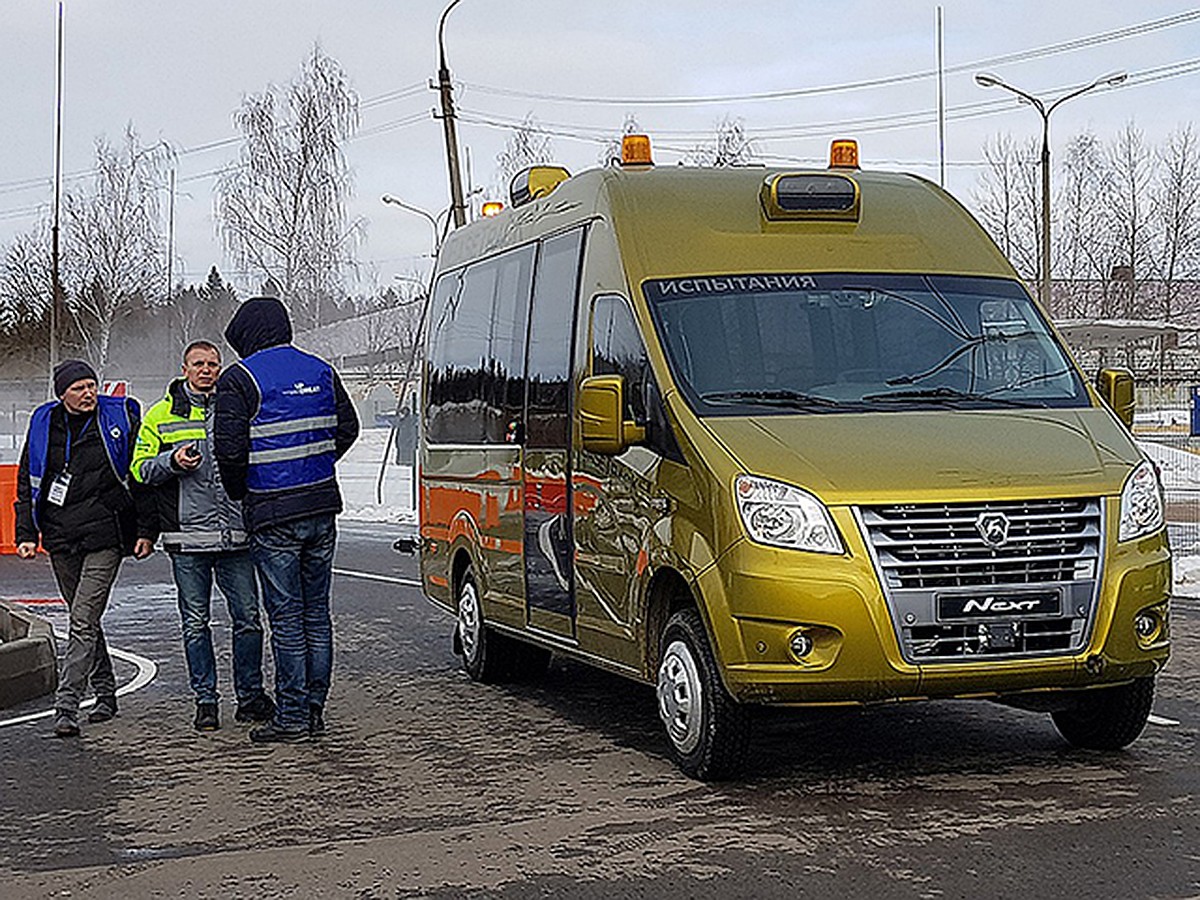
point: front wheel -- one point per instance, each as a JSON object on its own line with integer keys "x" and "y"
{"x": 1107, "y": 718}
{"x": 708, "y": 730}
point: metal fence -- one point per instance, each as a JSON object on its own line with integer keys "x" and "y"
{"x": 1177, "y": 453}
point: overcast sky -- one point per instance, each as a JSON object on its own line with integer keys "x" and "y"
{"x": 177, "y": 70}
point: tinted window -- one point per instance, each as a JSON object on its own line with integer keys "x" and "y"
{"x": 476, "y": 349}
{"x": 618, "y": 349}
{"x": 506, "y": 393}
{"x": 550, "y": 329}
{"x": 457, "y": 347}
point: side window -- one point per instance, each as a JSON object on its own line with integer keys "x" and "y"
{"x": 549, "y": 353}
{"x": 618, "y": 349}
{"x": 506, "y": 395}
{"x": 446, "y": 381}
{"x": 477, "y": 349}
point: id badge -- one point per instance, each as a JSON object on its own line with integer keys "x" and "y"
{"x": 58, "y": 489}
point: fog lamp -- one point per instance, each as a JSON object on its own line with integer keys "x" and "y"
{"x": 1145, "y": 624}
{"x": 801, "y": 645}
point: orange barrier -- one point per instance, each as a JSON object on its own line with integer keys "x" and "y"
{"x": 8, "y": 517}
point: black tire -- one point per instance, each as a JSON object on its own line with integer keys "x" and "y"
{"x": 707, "y": 730}
{"x": 488, "y": 656}
{"x": 1107, "y": 718}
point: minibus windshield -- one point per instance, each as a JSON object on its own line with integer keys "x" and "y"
{"x": 853, "y": 342}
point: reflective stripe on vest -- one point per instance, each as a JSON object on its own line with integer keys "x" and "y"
{"x": 292, "y": 434}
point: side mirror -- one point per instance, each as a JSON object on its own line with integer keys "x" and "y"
{"x": 1115, "y": 386}
{"x": 601, "y": 406}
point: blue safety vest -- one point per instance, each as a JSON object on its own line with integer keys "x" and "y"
{"x": 113, "y": 417}
{"x": 292, "y": 434}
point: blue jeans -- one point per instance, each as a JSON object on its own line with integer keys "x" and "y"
{"x": 235, "y": 576}
{"x": 295, "y": 566}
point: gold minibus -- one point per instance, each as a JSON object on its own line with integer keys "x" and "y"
{"x": 786, "y": 437}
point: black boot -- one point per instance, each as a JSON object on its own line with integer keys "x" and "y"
{"x": 207, "y": 718}
{"x": 316, "y": 720}
{"x": 260, "y": 709}
{"x": 105, "y": 708}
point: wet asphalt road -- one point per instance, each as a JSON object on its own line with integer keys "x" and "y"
{"x": 428, "y": 785}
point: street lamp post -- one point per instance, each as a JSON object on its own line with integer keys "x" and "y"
{"x": 446, "y": 91}
{"x": 429, "y": 217}
{"x": 985, "y": 80}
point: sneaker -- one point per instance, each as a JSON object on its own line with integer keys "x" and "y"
{"x": 65, "y": 725}
{"x": 206, "y": 717}
{"x": 316, "y": 720}
{"x": 271, "y": 733}
{"x": 105, "y": 709}
{"x": 260, "y": 709}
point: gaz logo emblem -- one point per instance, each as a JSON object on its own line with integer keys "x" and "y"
{"x": 993, "y": 528}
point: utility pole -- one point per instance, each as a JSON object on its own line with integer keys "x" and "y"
{"x": 446, "y": 91}
{"x": 56, "y": 303}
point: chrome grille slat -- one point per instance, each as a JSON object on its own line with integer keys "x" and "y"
{"x": 922, "y": 552}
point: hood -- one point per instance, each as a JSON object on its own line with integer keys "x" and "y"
{"x": 259, "y": 323}
{"x": 905, "y": 457}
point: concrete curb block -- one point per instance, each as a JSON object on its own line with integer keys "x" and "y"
{"x": 28, "y": 658}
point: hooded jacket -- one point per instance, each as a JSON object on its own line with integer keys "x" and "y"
{"x": 195, "y": 514}
{"x": 257, "y": 410}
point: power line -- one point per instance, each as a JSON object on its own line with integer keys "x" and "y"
{"x": 865, "y": 124}
{"x": 887, "y": 81}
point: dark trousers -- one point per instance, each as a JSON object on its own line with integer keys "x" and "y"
{"x": 85, "y": 581}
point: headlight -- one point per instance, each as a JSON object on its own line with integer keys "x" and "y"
{"x": 1141, "y": 503}
{"x": 785, "y": 516}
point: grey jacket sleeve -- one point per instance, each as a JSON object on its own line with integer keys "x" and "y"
{"x": 159, "y": 469}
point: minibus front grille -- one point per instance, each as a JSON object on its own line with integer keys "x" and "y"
{"x": 938, "y": 546}
{"x": 954, "y": 596}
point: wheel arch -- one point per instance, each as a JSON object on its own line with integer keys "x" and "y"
{"x": 667, "y": 592}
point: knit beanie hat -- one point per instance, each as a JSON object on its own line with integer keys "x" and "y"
{"x": 69, "y": 371}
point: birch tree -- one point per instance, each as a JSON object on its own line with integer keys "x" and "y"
{"x": 112, "y": 247}
{"x": 281, "y": 207}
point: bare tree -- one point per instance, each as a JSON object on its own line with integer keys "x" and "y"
{"x": 1128, "y": 208}
{"x": 1176, "y": 213}
{"x": 1007, "y": 201}
{"x": 113, "y": 252}
{"x": 282, "y": 206}
{"x": 26, "y": 280}
{"x": 730, "y": 145}
{"x": 1082, "y": 263}
{"x": 527, "y": 145}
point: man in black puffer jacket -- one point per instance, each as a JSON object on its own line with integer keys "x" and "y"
{"x": 74, "y": 493}
{"x": 282, "y": 420}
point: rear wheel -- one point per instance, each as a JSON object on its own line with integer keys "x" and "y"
{"x": 1107, "y": 718}
{"x": 488, "y": 656}
{"x": 708, "y": 730}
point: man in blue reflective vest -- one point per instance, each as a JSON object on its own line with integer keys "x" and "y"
{"x": 282, "y": 420}
{"x": 75, "y": 495}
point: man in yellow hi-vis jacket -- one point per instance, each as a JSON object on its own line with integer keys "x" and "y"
{"x": 202, "y": 530}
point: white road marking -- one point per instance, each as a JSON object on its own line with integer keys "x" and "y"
{"x": 371, "y": 576}
{"x": 146, "y": 670}
{"x": 1161, "y": 720}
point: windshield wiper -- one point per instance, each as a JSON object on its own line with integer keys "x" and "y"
{"x": 942, "y": 394}
{"x": 777, "y": 397}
